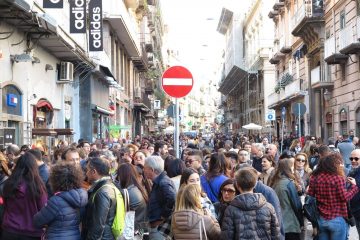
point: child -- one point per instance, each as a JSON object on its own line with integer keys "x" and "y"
{"x": 249, "y": 215}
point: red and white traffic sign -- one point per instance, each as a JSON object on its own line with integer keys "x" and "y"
{"x": 177, "y": 81}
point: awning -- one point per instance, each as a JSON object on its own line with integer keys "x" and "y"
{"x": 233, "y": 78}
{"x": 52, "y": 131}
{"x": 102, "y": 110}
{"x": 44, "y": 103}
{"x": 106, "y": 71}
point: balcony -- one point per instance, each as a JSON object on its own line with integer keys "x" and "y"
{"x": 273, "y": 13}
{"x": 276, "y": 55}
{"x": 115, "y": 12}
{"x": 319, "y": 79}
{"x": 331, "y": 55}
{"x": 284, "y": 44}
{"x": 278, "y": 5}
{"x": 349, "y": 37}
{"x": 309, "y": 16}
{"x": 149, "y": 87}
{"x": 287, "y": 93}
{"x": 141, "y": 62}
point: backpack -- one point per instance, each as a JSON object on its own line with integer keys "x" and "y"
{"x": 119, "y": 219}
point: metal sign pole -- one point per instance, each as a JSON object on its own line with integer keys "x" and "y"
{"x": 299, "y": 122}
{"x": 177, "y": 129}
{"x": 282, "y": 134}
{"x": 270, "y": 131}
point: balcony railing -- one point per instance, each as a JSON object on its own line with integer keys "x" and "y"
{"x": 349, "y": 37}
{"x": 330, "y": 47}
{"x": 318, "y": 75}
{"x": 273, "y": 98}
{"x": 310, "y": 8}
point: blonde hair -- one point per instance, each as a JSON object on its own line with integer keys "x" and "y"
{"x": 188, "y": 198}
{"x": 307, "y": 168}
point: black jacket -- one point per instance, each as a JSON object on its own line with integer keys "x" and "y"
{"x": 354, "y": 202}
{"x": 100, "y": 211}
{"x": 61, "y": 215}
{"x": 162, "y": 198}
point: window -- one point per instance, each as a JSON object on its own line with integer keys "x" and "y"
{"x": 343, "y": 122}
{"x": 342, "y": 19}
{"x": 329, "y": 124}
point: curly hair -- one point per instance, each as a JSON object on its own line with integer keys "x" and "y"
{"x": 330, "y": 164}
{"x": 65, "y": 176}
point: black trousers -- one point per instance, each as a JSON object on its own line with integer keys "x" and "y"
{"x": 15, "y": 236}
{"x": 292, "y": 236}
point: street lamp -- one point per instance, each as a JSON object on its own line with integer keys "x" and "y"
{"x": 28, "y": 127}
{"x": 327, "y": 95}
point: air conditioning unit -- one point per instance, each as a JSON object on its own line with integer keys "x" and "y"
{"x": 66, "y": 72}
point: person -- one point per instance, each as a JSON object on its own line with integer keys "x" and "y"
{"x": 194, "y": 160}
{"x": 189, "y": 220}
{"x": 191, "y": 176}
{"x": 272, "y": 150}
{"x": 215, "y": 176}
{"x": 101, "y": 207}
{"x": 71, "y": 155}
{"x": 285, "y": 184}
{"x": 257, "y": 151}
{"x": 233, "y": 158}
{"x": 61, "y": 215}
{"x": 249, "y": 215}
{"x": 174, "y": 166}
{"x": 327, "y": 185}
{"x": 43, "y": 169}
{"x": 162, "y": 197}
{"x": 12, "y": 154}
{"x": 24, "y": 195}
{"x": 139, "y": 157}
{"x": 268, "y": 164}
{"x": 355, "y": 173}
{"x": 226, "y": 195}
{"x": 161, "y": 149}
{"x": 302, "y": 168}
{"x": 313, "y": 156}
{"x": 345, "y": 148}
{"x": 129, "y": 179}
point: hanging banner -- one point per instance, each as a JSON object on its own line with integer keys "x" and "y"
{"x": 77, "y": 16}
{"x": 95, "y": 28}
{"x": 52, "y": 3}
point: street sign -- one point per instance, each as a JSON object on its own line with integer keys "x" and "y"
{"x": 283, "y": 112}
{"x": 157, "y": 104}
{"x": 298, "y": 109}
{"x": 177, "y": 81}
{"x": 270, "y": 115}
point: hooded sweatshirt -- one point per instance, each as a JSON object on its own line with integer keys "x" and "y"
{"x": 250, "y": 216}
{"x": 188, "y": 224}
{"x": 62, "y": 214}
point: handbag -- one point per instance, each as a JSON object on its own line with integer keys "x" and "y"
{"x": 129, "y": 228}
{"x": 311, "y": 211}
{"x": 350, "y": 219}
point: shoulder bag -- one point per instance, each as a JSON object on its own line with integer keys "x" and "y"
{"x": 129, "y": 228}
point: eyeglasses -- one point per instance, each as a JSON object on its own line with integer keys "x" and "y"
{"x": 228, "y": 190}
{"x": 190, "y": 161}
{"x": 354, "y": 159}
{"x": 243, "y": 154}
{"x": 300, "y": 160}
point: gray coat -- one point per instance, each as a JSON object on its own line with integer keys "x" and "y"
{"x": 250, "y": 216}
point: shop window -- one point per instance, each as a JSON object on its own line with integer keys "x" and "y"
{"x": 343, "y": 122}
{"x": 11, "y": 100}
{"x": 329, "y": 124}
{"x": 43, "y": 113}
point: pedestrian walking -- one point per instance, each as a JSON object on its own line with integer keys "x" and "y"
{"x": 61, "y": 216}
{"x": 226, "y": 195}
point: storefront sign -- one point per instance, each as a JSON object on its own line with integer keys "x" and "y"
{"x": 11, "y": 100}
{"x": 53, "y": 3}
{"x": 95, "y": 28}
{"x": 77, "y": 16}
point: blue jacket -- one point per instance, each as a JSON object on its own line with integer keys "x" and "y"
{"x": 272, "y": 198}
{"x": 354, "y": 202}
{"x": 162, "y": 198}
{"x": 212, "y": 187}
{"x": 62, "y": 215}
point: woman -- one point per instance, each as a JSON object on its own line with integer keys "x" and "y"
{"x": 284, "y": 184}
{"x": 129, "y": 179}
{"x": 24, "y": 195}
{"x": 189, "y": 220}
{"x": 139, "y": 157}
{"x": 219, "y": 167}
{"x": 61, "y": 215}
{"x": 151, "y": 149}
{"x": 268, "y": 163}
{"x": 227, "y": 194}
{"x": 302, "y": 168}
{"x": 327, "y": 185}
{"x": 191, "y": 176}
{"x": 295, "y": 146}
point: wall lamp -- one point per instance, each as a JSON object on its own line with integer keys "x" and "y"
{"x": 48, "y": 67}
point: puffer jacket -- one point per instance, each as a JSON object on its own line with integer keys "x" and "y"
{"x": 250, "y": 216}
{"x": 100, "y": 211}
{"x": 188, "y": 224}
{"x": 62, "y": 215}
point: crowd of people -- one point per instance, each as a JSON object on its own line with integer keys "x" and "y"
{"x": 221, "y": 187}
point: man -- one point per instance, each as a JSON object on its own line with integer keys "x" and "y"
{"x": 355, "y": 141}
{"x": 71, "y": 155}
{"x": 339, "y": 140}
{"x": 194, "y": 160}
{"x": 162, "y": 197}
{"x": 273, "y": 151}
{"x": 12, "y": 153}
{"x": 161, "y": 149}
{"x": 244, "y": 156}
{"x": 229, "y": 146}
{"x": 101, "y": 208}
{"x": 355, "y": 173}
{"x": 265, "y": 142}
{"x": 345, "y": 148}
{"x": 257, "y": 151}
{"x": 331, "y": 145}
{"x": 86, "y": 147}
{"x": 247, "y": 147}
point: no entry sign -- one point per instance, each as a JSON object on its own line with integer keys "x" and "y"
{"x": 177, "y": 81}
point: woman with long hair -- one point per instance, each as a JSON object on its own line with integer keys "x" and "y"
{"x": 327, "y": 185}
{"x": 219, "y": 168}
{"x": 24, "y": 195}
{"x": 228, "y": 191}
{"x": 189, "y": 220}
{"x": 295, "y": 146}
{"x": 268, "y": 164}
{"x": 191, "y": 176}
{"x": 61, "y": 215}
{"x": 302, "y": 168}
{"x": 284, "y": 183}
{"x": 129, "y": 179}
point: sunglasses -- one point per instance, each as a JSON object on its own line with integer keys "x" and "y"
{"x": 228, "y": 190}
{"x": 354, "y": 159}
{"x": 300, "y": 160}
